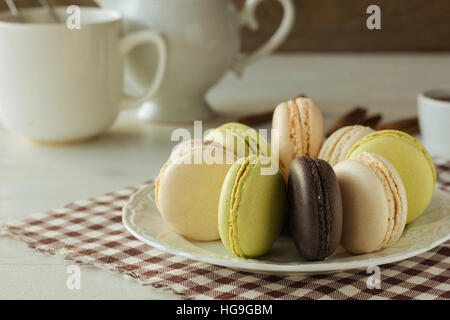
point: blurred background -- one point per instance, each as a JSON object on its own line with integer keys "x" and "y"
{"x": 339, "y": 25}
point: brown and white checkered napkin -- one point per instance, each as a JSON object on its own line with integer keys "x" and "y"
{"x": 91, "y": 232}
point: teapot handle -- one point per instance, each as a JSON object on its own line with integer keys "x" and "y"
{"x": 130, "y": 42}
{"x": 248, "y": 18}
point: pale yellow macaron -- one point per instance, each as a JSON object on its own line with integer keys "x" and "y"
{"x": 299, "y": 125}
{"x": 411, "y": 160}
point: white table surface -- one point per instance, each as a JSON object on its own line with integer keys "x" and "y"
{"x": 37, "y": 178}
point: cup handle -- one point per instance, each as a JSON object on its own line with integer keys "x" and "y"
{"x": 134, "y": 40}
{"x": 248, "y": 18}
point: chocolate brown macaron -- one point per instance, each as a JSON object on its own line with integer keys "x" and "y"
{"x": 315, "y": 208}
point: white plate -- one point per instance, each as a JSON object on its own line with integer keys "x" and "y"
{"x": 142, "y": 219}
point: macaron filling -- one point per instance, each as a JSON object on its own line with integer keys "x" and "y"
{"x": 242, "y": 173}
{"x": 397, "y": 215}
{"x": 295, "y": 130}
{"x": 323, "y": 206}
{"x": 304, "y": 111}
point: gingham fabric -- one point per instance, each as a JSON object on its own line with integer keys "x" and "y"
{"x": 91, "y": 232}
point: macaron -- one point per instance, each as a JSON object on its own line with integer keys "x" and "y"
{"x": 340, "y": 142}
{"x": 251, "y": 208}
{"x": 410, "y": 159}
{"x": 208, "y": 157}
{"x": 187, "y": 145}
{"x": 300, "y": 131}
{"x": 374, "y": 201}
{"x": 187, "y": 190}
{"x": 314, "y": 208}
{"x": 240, "y": 139}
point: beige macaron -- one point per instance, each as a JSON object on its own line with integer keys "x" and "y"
{"x": 340, "y": 142}
{"x": 188, "y": 188}
{"x": 374, "y": 203}
{"x": 300, "y": 131}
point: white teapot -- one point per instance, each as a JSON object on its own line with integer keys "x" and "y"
{"x": 203, "y": 40}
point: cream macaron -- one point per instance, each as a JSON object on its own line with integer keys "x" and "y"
{"x": 340, "y": 142}
{"x": 188, "y": 188}
{"x": 300, "y": 131}
{"x": 374, "y": 203}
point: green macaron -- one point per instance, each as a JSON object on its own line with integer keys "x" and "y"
{"x": 241, "y": 139}
{"x": 252, "y": 206}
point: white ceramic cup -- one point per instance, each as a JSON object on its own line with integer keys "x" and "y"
{"x": 204, "y": 42}
{"x": 434, "y": 120}
{"x": 62, "y": 85}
